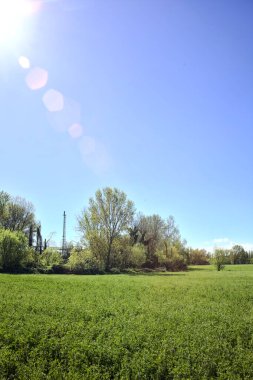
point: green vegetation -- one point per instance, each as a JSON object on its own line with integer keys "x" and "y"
{"x": 193, "y": 325}
{"x": 13, "y": 250}
{"x": 118, "y": 239}
{"x": 114, "y": 239}
{"x": 219, "y": 259}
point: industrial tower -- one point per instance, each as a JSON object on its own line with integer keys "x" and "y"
{"x": 64, "y": 242}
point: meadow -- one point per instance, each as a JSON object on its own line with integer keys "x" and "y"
{"x": 192, "y": 325}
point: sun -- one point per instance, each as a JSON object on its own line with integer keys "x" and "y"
{"x": 12, "y": 16}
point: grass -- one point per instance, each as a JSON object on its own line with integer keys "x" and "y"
{"x": 193, "y": 325}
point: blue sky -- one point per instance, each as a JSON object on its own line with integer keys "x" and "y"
{"x": 152, "y": 97}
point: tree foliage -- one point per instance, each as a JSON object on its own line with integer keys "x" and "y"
{"x": 13, "y": 249}
{"x": 16, "y": 213}
{"x": 238, "y": 255}
{"x": 161, "y": 238}
{"x": 82, "y": 261}
{"x": 138, "y": 256}
{"x": 107, "y": 217}
{"x": 113, "y": 239}
{"x": 219, "y": 259}
{"x": 197, "y": 256}
{"x": 50, "y": 257}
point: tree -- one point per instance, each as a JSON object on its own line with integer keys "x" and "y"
{"x": 152, "y": 232}
{"x": 238, "y": 255}
{"x": 219, "y": 259}
{"x": 197, "y": 256}
{"x": 82, "y": 261}
{"x": 50, "y": 257}
{"x": 172, "y": 233}
{"x": 4, "y": 200}
{"x": 137, "y": 256}
{"x": 107, "y": 217}
{"x": 121, "y": 252}
{"x": 16, "y": 214}
{"x": 159, "y": 236}
{"x": 13, "y": 249}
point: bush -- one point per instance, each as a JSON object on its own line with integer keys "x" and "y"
{"x": 137, "y": 256}
{"x": 173, "y": 261}
{"x": 50, "y": 257}
{"x": 83, "y": 262}
{"x": 161, "y": 269}
{"x": 13, "y": 250}
{"x": 121, "y": 252}
{"x": 31, "y": 259}
{"x": 198, "y": 257}
{"x": 115, "y": 271}
{"x": 219, "y": 259}
{"x": 60, "y": 269}
{"x": 175, "y": 265}
{"x": 129, "y": 271}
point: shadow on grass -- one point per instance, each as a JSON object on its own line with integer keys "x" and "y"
{"x": 156, "y": 274}
{"x": 201, "y": 268}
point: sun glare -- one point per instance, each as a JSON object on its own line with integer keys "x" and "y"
{"x": 12, "y": 16}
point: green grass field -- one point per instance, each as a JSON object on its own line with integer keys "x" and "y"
{"x": 194, "y": 325}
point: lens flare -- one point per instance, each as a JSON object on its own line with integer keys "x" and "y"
{"x": 53, "y": 101}
{"x": 37, "y": 78}
{"x": 75, "y": 131}
{"x": 24, "y": 62}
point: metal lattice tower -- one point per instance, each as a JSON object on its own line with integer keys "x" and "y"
{"x": 64, "y": 242}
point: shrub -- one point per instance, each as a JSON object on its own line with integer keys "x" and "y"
{"x": 161, "y": 269}
{"x": 219, "y": 259}
{"x": 129, "y": 271}
{"x": 83, "y": 262}
{"x": 121, "y": 252}
{"x": 173, "y": 261}
{"x": 198, "y": 257}
{"x": 13, "y": 250}
{"x": 176, "y": 264}
{"x": 31, "y": 260}
{"x": 50, "y": 257}
{"x": 137, "y": 256}
{"x": 59, "y": 269}
{"x": 115, "y": 271}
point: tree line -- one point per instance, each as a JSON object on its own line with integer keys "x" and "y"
{"x": 114, "y": 238}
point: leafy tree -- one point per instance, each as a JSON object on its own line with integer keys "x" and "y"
{"x": 197, "y": 256}
{"x": 13, "y": 249}
{"x": 83, "y": 261}
{"x": 16, "y": 214}
{"x": 238, "y": 255}
{"x": 157, "y": 235}
{"x": 121, "y": 252}
{"x": 107, "y": 217}
{"x": 152, "y": 233}
{"x": 137, "y": 256}
{"x": 4, "y": 200}
{"x": 50, "y": 257}
{"x": 219, "y": 259}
